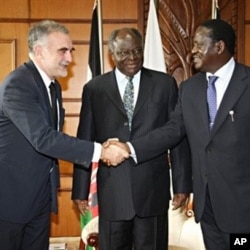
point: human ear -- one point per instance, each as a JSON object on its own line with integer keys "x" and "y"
{"x": 220, "y": 46}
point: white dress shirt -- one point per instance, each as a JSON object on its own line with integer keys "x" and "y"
{"x": 224, "y": 76}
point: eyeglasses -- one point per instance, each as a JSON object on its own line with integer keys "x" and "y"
{"x": 127, "y": 53}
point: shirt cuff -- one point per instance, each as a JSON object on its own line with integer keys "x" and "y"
{"x": 97, "y": 152}
{"x": 132, "y": 151}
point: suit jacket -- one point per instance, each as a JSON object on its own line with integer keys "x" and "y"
{"x": 29, "y": 146}
{"x": 130, "y": 189}
{"x": 220, "y": 158}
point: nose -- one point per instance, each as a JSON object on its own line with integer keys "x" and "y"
{"x": 69, "y": 56}
{"x": 132, "y": 55}
{"x": 194, "y": 49}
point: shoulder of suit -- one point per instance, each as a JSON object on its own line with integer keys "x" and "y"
{"x": 101, "y": 78}
{"x": 156, "y": 73}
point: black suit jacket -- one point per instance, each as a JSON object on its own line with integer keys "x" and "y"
{"x": 220, "y": 158}
{"x": 129, "y": 189}
{"x": 29, "y": 146}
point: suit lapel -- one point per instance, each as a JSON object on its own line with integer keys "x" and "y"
{"x": 201, "y": 90}
{"x": 113, "y": 93}
{"x": 41, "y": 86}
{"x": 147, "y": 81}
{"x": 235, "y": 89}
{"x": 112, "y": 90}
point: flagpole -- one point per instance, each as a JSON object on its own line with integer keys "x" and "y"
{"x": 214, "y": 9}
{"x": 99, "y": 11}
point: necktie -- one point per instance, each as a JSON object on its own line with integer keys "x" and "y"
{"x": 128, "y": 100}
{"x": 211, "y": 99}
{"x": 52, "y": 88}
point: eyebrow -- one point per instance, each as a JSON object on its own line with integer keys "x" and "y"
{"x": 65, "y": 49}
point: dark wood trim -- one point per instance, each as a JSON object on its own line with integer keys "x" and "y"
{"x": 241, "y": 31}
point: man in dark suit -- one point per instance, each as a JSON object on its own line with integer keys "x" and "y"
{"x": 220, "y": 153}
{"x": 133, "y": 199}
{"x": 30, "y": 145}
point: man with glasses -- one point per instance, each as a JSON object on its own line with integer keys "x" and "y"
{"x": 126, "y": 103}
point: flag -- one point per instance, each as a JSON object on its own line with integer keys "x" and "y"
{"x": 95, "y": 68}
{"x": 215, "y": 10}
{"x": 153, "y": 50}
{"x": 95, "y": 49}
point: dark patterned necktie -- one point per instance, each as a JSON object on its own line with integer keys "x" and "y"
{"x": 53, "y": 96}
{"x": 128, "y": 100}
{"x": 211, "y": 99}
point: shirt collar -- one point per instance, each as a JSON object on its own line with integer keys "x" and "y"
{"x": 121, "y": 77}
{"x": 44, "y": 76}
{"x": 225, "y": 72}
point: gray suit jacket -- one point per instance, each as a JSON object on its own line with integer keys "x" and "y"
{"x": 29, "y": 146}
{"x": 130, "y": 189}
{"x": 220, "y": 159}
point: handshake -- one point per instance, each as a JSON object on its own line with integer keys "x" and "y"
{"x": 114, "y": 152}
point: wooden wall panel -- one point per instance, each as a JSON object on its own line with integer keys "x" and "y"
{"x": 57, "y": 9}
{"x": 247, "y": 42}
{"x": 17, "y": 32}
{"x": 247, "y": 10}
{"x": 247, "y": 33}
{"x": 67, "y": 222}
{"x": 120, "y": 10}
{"x": 14, "y": 9}
{"x": 178, "y": 20}
{"x": 8, "y": 56}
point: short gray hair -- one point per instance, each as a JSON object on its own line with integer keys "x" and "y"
{"x": 39, "y": 32}
{"x": 114, "y": 34}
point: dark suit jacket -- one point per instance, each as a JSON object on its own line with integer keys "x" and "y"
{"x": 129, "y": 189}
{"x": 29, "y": 146}
{"x": 220, "y": 159}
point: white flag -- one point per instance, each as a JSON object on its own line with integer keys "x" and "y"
{"x": 153, "y": 50}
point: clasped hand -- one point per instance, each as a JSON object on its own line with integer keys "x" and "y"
{"x": 114, "y": 152}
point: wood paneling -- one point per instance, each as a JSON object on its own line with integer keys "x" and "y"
{"x": 8, "y": 57}
{"x": 66, "y": 223}
{"x": 14, "y": 9}
{"x": 120, "y": 10}
{"x": 17, "y": 32}
{"x": 247, "y": 33}
{"x": 178, "y": 20}
{"x": 57, "y": 9}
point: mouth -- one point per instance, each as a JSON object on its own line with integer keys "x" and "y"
{"x": 196, "y": 59}
{"x": 64, "y": 66}
{"x": 134, "y": 65}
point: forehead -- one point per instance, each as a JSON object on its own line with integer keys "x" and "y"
{"x": 202, "y": 33}
{"x": 126, "y": 40}
{"x": 59, "y": 40}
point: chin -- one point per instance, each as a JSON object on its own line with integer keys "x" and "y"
{"x": 64, "y": 74}
{"x": 197, "y": 66}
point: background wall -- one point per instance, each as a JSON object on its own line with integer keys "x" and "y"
{"x": 177, "y": 19}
